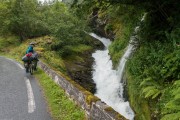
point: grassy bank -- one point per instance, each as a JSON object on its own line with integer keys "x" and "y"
{"x": 61, "y": 108}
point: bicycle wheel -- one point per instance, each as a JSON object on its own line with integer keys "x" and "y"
{"x": 31, "y": 69}
{"x": 26, "y": 67}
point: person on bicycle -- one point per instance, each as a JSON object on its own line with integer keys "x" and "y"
{"x": 34, "y": 54}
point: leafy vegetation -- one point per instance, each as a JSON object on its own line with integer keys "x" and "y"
{"x": 155, "y": 72}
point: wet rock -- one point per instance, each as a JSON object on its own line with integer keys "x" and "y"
{"x": 81, "y": 70}
{"x": 98, "y": 25}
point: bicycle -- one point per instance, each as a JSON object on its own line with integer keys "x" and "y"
{"x": 30, "y": 66}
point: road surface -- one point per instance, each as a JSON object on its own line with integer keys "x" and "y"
{"x": 21, "y": 97}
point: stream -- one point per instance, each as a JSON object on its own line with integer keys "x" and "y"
{"x": 109, "y": 83}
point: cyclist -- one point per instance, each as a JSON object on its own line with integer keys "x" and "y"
{"x": 34, "y": 54}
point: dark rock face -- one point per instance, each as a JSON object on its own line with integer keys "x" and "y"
{"x": 81, "y": 71}
{"x": 98, "y": 25}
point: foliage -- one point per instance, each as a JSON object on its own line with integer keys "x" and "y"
{"x": 70, "y": 35}
{"x": 53, "y": 15}
{"x": 137, "y": 101}
{"x": 171, "y": 108}
{"x": 124, "y": 18}
{"x": 8, "y": 41}
{"x": 54, "y": 60}
{"x": 28, "y": 18}
{"x": 117, "y": 48}
{"x": 4, "y": 16}
{"x": 156, "y": 66}
{"x": 24, "y": 20}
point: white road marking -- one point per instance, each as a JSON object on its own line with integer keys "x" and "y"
{"x": 10, "y": 59}
{"x": 31, "y": 102}
{"x": 20, "y": 65}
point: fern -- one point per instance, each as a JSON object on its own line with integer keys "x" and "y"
{"x": 172, "y": 107}
{"x": 173, "y": 104}
{"x": 173, "y": 116}
{"x": 177, "y": 96}
{"x": 156, "y": 94}
{"x": 151, "y": 91}
{"x": 150, "y": 88}
{"x": 145, "y": 81}
{"x": 147, "y": 89}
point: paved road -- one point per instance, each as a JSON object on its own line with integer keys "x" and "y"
{"x": 20, "y": 96}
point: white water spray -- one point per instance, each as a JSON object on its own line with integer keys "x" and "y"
{"x": 108, "y": 81}
{"x": 131, "y": 47}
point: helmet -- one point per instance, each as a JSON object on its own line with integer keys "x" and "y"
{"x": 32, "y": 43}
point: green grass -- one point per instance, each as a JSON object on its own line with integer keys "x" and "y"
{"x": 60, "y": 106}
{"x": 53, "y": 60}
{"x": 81, "y": 48}
{"x": 7, "y": 41}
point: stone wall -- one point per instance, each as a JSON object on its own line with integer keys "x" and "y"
{"x": 95, "y": 110}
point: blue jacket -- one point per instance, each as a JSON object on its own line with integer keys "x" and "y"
{"x": 30, "y": 49}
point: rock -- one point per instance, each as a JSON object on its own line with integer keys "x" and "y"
{"x": 98, "y": 25}
{"x": 81, "y": 71}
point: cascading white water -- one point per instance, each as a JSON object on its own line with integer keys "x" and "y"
{"x": 108, "y": 81}
{"x": 126, "y": 55}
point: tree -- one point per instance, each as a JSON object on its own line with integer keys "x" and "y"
{"x": 4, "y": 16}
{"x": 25, "y": 21}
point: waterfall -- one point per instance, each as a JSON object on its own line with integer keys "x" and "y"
{"x": 131, "y": 47}
{"x": 108, "y": 81}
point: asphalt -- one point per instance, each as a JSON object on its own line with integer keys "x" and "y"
{"x": 14, "y": 95}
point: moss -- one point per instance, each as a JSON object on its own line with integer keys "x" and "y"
{"x": 120, "y": 117}
{"x": 39, "y": 49}
{"x": 117, "y": 115}
{"x": 91, "y": 98}
{"x": 138, "y": 104}
{"x": 109, "y": 109}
